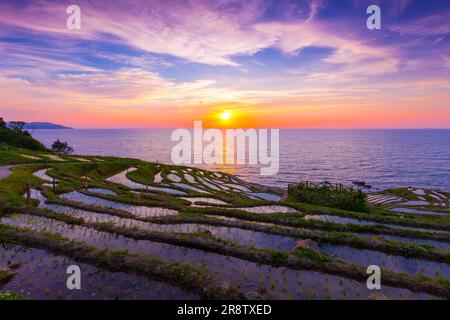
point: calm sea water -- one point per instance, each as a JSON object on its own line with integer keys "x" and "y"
{"x": 381, "y": 158}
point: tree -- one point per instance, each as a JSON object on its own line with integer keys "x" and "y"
{"x": 61, "y": 147}
{"x": 17, "y": 126}
{"x": 13, "y": 134}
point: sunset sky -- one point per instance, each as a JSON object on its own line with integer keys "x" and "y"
{"x": 285, "y": 64}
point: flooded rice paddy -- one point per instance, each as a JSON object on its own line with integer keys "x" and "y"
{"x": 139, "y": 211}
{"x": 42, "y": 275}
{"x": 254, "y": 279}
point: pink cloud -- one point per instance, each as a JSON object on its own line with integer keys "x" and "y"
{"x": 199, "y": 31}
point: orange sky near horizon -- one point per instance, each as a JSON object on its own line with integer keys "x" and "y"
{"x": 402, "y": 114}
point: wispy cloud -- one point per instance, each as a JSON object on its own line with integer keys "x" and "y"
{"x": 434, "y": 25}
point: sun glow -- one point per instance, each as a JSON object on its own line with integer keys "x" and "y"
{"x": 226, "y": 115}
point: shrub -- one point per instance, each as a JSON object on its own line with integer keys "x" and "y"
{"x": 61, "y": 147}
{"x": 335, "y": 196}
{"x": 17, "y": 126}
{"x": 279, "y": 256}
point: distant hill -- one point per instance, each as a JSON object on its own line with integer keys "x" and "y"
{"x": 43, "y": 125}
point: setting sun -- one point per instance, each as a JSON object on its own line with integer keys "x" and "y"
{"x": 226, "y": 115}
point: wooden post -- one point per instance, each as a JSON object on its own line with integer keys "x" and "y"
{"x": 54, "y": 185}
{"x": 28, "y": 193}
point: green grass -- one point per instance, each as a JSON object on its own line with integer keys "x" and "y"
{"x": 330, "y": 196}
{"x": 404, "y": 193}
{"x": 279, "y": 256}
{"x": 311, "y": 254}
{"x": 145, "y": 174}
{"x": 10, "y": 296}
{"x": 13, "y": 187}
{"x": 10, "y": 155}
{"x": 93, "y": 170}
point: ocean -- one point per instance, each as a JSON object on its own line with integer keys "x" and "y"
{"x": 381, "y": 158}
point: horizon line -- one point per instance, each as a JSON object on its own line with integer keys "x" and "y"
{"x": 235, "y": 128}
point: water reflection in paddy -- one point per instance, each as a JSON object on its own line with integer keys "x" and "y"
{"x": 121, "y": 178}
{"x": 102, "y": 191}
{"x": 246, "y": 237}
{"x": 43, "y": 175}
{"x": 385, "y": 261}
{"x": 189, "y": 187}
{"x": 140, "y": 211}
{"x": 416, "y": 211}
{"x": 41, "y": 275}
{"x": 260, "y": 280}
{"x": 268, "y": 209}
{"x": 343, "y": 220}
{"x": 265, "y": 196}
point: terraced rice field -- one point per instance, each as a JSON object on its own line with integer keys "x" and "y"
{"x": 153, "y": 231}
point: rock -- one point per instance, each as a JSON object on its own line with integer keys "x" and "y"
{"x": 6, "y": 275}
{"x": 308, "y": 243}
{"x": 362, "y": 184}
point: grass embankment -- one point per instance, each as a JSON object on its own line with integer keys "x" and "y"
{"x": 375, "y": 215}
{"x": 290, "y": 220}
{"x": 10, "y": 155}
{"x": 13, "y": 187}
